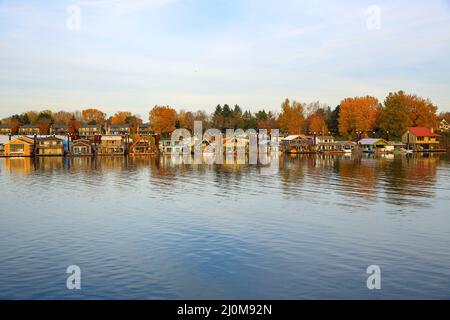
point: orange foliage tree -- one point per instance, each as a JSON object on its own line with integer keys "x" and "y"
{"x": 74, "y": 125}
{"x": 358, "y": 114}
{"x": 44, "y": 126}
{"x": 316, "y": 123}
{"x": 403, "y": 110}
{"x": 15, "y": 124}
{"x": 121, "y": 117}
{"x": 291, "y": 118}
{"x": 163, "y": 119}
{"x": 93, "y": 116}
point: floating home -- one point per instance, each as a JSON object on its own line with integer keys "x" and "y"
{"x": 421, "y": 139}
{"x": 299, "y": 143}
{"x": 19, "y": 147}
{"x": 143, "y": 146}
{"x": 171, "y": 147}
{"x": 49, "y": 146}
{"x": 111, "y": 145}
{"x": 373, "y": 145}
{"x": 81, "y": 148}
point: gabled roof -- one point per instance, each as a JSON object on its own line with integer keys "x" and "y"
{"x": 5, "y": 126}
{"x": 29, "y": 126}
{"x": 422, "y": 132}
{"x": 81, "y": 141}
{"x": 296, "y": 136}
{"x": 370, "y": 141}
{"x": 21, "y": 139}
{"x": 111, "y": 138}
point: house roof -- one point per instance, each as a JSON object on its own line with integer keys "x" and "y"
{"x": 21, "y": 139}
{"x": 422, "y": 132}
{"x": 345, "y": 142}
{"x": 295, "y": 136}
{"x": 28, "y": 126}
{"x": 369, "y": 141}
{"x": 4, "y": 126}
{"x": 48, "y": 138}
{"x": 116, "y": 138}
{"x": 81, "y": 141}
{"x": 119, "y": 126}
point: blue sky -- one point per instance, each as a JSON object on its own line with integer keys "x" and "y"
{"x": 194, "y": 54}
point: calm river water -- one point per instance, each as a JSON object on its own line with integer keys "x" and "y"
{"x": 148, "y": 228}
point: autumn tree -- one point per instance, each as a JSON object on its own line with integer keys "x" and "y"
{"x": 186, "y": 120}
{"x": 62, "y": 117}
{"x": 358, "y": 114}
{"x": 44, "y": 126}
{"x": 291, "y": 118}
{"x": 74, "y": 125}
{"x": 403, "y": 110}
{"x": 32, "y": 117}
{"x": 14, "y": 124}
{"x": 93, "y": 116}
{"x": 163, "y": 119}
{"x": 120, "y": 117}
{"x": 265, "y": 120}
{"x": 134, "y": 122}
{"x": 316, "y": 123}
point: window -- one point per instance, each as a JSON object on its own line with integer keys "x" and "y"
{"x": 16, "y": 148}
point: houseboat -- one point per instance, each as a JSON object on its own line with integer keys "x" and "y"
{"x": 373, "y": 145}
{"x": 345, "y": 146}
{"x": 111, "y": 145}
{"x": 19, "y": 147}
{"x": 421, "y": 139}
{"x": 49, "y": 146}
{"x": 325, "y": 144}
{"x": 171, "y": 147}
{"x": 81, "y": 148}
{"x": 143, "y": 146}
{"x": 296, "y": 144}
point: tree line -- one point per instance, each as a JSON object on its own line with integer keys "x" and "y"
{"x": 352, "y": 118}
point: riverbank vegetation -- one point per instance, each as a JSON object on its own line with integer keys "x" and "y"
{"x": 353, "y": 117}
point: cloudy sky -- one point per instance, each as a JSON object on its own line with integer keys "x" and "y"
{"x": 195, "y": 54}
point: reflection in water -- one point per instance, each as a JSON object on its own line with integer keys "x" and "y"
{"x": 306, "y": 226}
{"x": 400, "y": 180}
